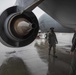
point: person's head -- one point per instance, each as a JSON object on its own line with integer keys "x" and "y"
{"x": 52, "y": 29}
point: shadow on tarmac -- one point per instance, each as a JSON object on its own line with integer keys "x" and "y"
{"x": 14, "y": 66}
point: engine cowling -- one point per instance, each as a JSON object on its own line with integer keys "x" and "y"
{"x": 18, "y": 29}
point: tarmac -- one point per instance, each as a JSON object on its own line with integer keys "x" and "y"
{"x": 34, "y": 59}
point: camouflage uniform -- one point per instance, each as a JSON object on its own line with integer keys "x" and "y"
{"x": 52, "y": 42}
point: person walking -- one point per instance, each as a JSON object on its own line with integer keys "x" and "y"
{"x": 52, "y": 40}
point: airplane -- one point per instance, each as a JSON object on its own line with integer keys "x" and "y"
{"x": 19, "y": 25}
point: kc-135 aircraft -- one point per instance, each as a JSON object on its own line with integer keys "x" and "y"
{"x": 19, "y": 26}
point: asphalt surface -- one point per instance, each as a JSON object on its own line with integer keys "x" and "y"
{"x": 34, "y": 59}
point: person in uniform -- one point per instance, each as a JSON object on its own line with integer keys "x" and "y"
{"x": 73, "y": 52}
{"x": 52, "y": 40}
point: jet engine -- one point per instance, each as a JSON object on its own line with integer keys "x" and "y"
{"x": 18, "y": 29}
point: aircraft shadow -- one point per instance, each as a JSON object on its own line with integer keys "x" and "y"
{"x": 14, "y": 66}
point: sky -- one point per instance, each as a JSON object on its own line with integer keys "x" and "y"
{"x": 38, "y": 12}
{"x": 4, "y": 4}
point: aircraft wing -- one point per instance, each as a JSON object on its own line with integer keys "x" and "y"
{"x": 63, "y": 11}
{"x": 27, "y": 5}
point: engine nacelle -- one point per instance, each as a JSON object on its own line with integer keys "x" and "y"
{"x": 18, "y": 29}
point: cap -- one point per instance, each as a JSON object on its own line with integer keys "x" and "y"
{"x": 51, "y": 28}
